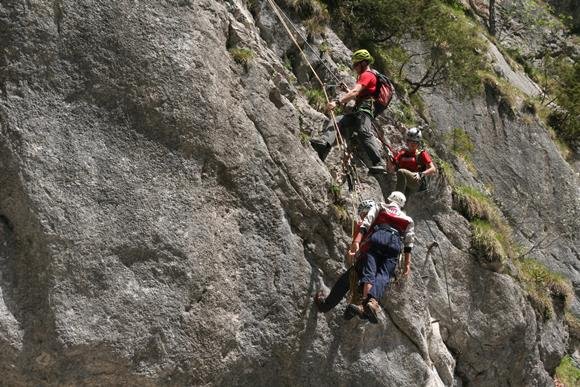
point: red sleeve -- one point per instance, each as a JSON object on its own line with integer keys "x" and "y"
{"x": 425, "y": 158}
{"x": 368, "y": 81}
{"x": 398, "y": 156}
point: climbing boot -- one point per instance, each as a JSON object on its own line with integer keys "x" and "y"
{"x": 353, "y": 310}
{"x": 371, "y": 310}
{"x": 321, "y": 147}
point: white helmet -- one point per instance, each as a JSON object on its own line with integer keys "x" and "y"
{"x": 414, "y": 134}
{"x": 365, "y": 205}
{"x": 398, "y": 198}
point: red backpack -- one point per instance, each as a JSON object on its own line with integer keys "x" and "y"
{"x": 383, "y": 93}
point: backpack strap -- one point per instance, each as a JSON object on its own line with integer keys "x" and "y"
{"x": 417, "y": 158}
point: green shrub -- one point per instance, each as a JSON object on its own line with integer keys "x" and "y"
{"x": 568, "y": 372}
{"x": 455, "y": 45}
{"x": 325, "y": 47}
{"x": 314, "y": 13}
{"x": 317, "y": 22}
{"x": 304, "y": 137}
{"x": 241, "y": 55}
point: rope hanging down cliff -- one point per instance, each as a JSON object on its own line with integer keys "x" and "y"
{"x": 348, "y": 168}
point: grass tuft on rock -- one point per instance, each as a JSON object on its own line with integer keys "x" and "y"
{"x": 241, "y": 55}
{"x": 335, "y": 191}
{"x": 505, "y": 90}
{"x": 304, "y": 137}
{"x": 543, "y": 286}
{"x": 474, "y": 204}
{"x": 568, "y": 372}
{"x": 491, "y": 246}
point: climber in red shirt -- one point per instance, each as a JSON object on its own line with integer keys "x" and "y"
{"x": 360, "y": 120}
{"x": 413, "y": 164}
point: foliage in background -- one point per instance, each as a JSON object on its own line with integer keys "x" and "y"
{"x": 454, "y": 43}
{"x": 562, "y": 80}
{"x": 557, "y": 73}
{"x": 314, "y": 13}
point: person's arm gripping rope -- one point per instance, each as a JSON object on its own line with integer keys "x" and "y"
{"x": 366, "y": 224}
{"x": 346, "y": 98}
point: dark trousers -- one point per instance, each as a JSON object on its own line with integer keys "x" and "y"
{"x": 380, "y": 262}
{"x": 337, "y": 292}
{"x": 361, "y": 123}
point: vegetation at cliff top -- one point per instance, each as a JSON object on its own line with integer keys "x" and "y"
{"x": 453, "y": 43}
{"x": 557, "y": 73}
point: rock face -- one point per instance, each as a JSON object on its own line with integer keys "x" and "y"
{"x": 162, "y": 224}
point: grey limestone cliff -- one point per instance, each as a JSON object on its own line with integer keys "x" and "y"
{"x": 161, "y": 222}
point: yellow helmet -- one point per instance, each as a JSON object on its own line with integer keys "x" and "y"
{"x": 360, "y": 55}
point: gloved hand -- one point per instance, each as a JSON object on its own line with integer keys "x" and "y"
{"x": 331, "y": 106}
{"x": 353, "y": 249}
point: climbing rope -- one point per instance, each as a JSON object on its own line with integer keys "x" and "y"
{"x": 340, "y": 83}
{"x": 346, "y": 162}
